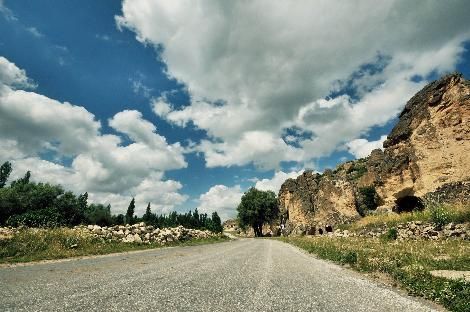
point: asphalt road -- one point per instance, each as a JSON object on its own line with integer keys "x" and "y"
{"x": 243, "y": 275}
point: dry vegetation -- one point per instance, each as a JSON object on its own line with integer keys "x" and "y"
{"x": 57, "y": 243}
{"x": 457, "y": 213}
{"x": 406, "y": 262}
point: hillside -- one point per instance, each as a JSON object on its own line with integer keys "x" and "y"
{"x": 425, "y": 157}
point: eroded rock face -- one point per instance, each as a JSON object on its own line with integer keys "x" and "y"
{"x": 312, "y": 202}
{"x": 428, "y": 149}
{"x": 430, "y": 145}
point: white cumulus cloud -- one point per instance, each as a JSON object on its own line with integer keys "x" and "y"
{"x": 274, "y": 184}
{"x": 361, "y": 147}
{"x": 222, "y": 199}
{"x": 259, "y": 67}
{"x": 11, "y": 75}
{"x": 110, "y": 171}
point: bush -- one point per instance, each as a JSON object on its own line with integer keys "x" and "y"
{"x": 440, "y": 216}
{"x": 99, "y": 214}
{"x": 47, "y": 217}
{"x": 366, "y": 200}
{"x": 392, "y": 234}
{"x": 39, "y": 204}
{"x": 357, "y": 170}
{"x": 349, "y": 257}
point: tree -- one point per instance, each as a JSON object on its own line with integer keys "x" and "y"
{"x": 119, "y": 219}
{"x": 216, "y": 223}
{"x": 203, "y": 220}
{"x": 39, "y": 204}
{"x": 147, "y": 217}
{"x": 25, "y": 179}
{"x": 194, "y": 223}
{"x": 83, "y": 200}
{"x": 99, "y": 214}
{"x": 68, "y": 207}
{"x": 256, "y": 208}
{"x": 5, "y": 171}
{"x": 130, "y": 211}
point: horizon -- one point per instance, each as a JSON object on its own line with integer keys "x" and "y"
{"x": 187, "y": 108}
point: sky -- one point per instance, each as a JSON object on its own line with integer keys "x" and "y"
{"x": 187, "y": 104}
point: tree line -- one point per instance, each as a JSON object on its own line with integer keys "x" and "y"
{"x": 24, "y": 202}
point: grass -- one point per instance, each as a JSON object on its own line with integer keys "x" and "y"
{"x": 45, "y": 244}
{"x": 435, "y": 213}
{"x": 407, "y": 262}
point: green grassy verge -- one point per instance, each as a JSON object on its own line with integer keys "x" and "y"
{"x": 45, "y": 244}
{"x": 407, "y": 262}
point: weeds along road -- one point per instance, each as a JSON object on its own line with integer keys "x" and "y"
{"x": 243, "y": 275}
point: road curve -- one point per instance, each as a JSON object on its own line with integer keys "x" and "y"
{"x": 243, "y": 275}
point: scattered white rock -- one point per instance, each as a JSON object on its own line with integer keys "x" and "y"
{"x": 137, "y": 238}
{"x": 97, "y": 229}
{"x": 128, "y": 239}
{"x": 415, "y": 230}
{"x": 140, "y": 233}
{"x": 137, "y": 233}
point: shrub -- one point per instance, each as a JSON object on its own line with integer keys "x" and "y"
{"x": 38, "y": 204}
{"x": 440, "y": 215}
{"x": 350, "y": 257}
{"x": 366, "y": 200}
{"x": 392, "y": 234}
{"x": 99, "y": 214}
{"x": 357, "y": 171}
{"x": 47, "y": 217}
{"x": 460, "y": 213}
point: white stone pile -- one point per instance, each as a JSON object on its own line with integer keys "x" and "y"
{"x": 141, "y": 233}
{"x": 418, "y": 229}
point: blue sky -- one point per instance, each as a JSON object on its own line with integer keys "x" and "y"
{"x": 219, "y": 106}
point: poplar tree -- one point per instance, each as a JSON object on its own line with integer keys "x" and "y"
{"x": 130, "y": 211}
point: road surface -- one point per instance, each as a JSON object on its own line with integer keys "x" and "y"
{"x": 242, "y": 275}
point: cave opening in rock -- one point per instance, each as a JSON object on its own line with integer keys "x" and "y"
{"x": 329, "y": 229}
{"x": 408, "y": 204}
{"x": 320, "y": 231}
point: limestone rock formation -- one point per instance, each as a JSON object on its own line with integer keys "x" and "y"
{"x": 427, "y": 151}
{"x": 429, "y": 146}
{"x": 315, "y": 202}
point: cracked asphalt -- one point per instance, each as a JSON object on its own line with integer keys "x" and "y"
{"x": 241, "y": 275}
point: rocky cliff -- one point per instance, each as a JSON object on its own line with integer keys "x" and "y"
{"x": 426, "y": 153}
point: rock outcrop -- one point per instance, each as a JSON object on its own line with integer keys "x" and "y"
{"x": 315, "y": 202}
{"x": 426, "y": 152}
